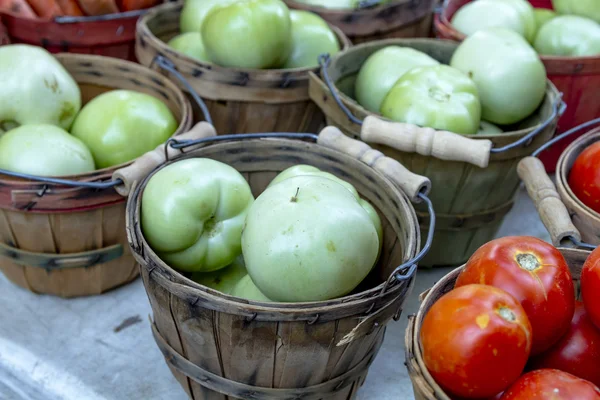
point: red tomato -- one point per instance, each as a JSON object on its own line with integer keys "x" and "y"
{"x": 476, "y": 340}
{"x": 584, "y": 178}
{"x": 590, "y": 286}
{"x": 551, "y": 384}
{"x": 130, "y": 5}
{"x": 535, "y": 273}
{"x": 578, "y": 352}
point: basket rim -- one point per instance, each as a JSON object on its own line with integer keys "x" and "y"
{"x": 145, "y": 253}
{"x": 183, "y": 123}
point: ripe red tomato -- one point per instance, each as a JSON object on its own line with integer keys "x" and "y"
{"x": 578, "y": 352}
{"x": 551, "y": 384}
{"x": 590, "y": 286}
{"x": 584, "y": 178}
{"x": 535, "y": 273}
{"x": 476, "y": 340}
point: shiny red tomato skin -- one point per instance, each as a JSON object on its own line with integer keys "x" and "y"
{"x": 546, "y": 293}
{"x": 590, "y": 286}
{"x": 551, "y": 384}
{"x": 584, "y": 177}
{"x": 578, "y": 352}
{"x": 476, "y": 340}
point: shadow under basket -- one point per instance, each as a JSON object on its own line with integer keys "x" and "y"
{"x": 239, "y": 100}
{"x": 424, "y": 386}
{"x": 470, "y": 202}
{"x": 71, "y": 241}
{"x": 221, "y": 347}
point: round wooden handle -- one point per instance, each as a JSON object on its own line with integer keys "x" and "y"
{"x": 552, "y": 210}
{"x": 142, "y": 166}
{"x": 426, "y": 141}
{"x": 412, "y": 184}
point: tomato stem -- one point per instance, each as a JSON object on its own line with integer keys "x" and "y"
{"x": 528, "y": 261}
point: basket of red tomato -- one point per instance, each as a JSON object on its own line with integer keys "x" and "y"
{"x": 101, "y": 27}
{"x": 510, "y": 325}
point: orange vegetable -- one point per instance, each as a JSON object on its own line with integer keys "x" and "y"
{"x": 70, "y": 7}
{"x": 129, "y": 5}
{"x": 46, "y": 8}
{"x": 17, "y": 7}
{"x": 98, "y": 7}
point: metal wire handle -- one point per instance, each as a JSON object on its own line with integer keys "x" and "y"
{"x": 368, "y": 4}
{"x": 66, "y": 19}
{"x": 558, "y": 109}
{"x": 168, "y": 66}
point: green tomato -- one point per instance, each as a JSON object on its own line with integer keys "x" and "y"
{"x": 121, "y": 125}
{"x": 35, "y": 88}
{"x": 193, "y": 212}
{"x": 382, "y": 69}
{"x": 246, "y": 289}
{"x": 526, "y": 14}
{"x": 482, "y": 14}
{"x": 543, "y": 15}
{"x": 583, "y": 8}
{"x": 509, "y": 74}
{"x": 307, "y": 238}
{"x": 223, "y": 280}
{"x": 438, "y": 97}
{"x": 569, "y": 35}
{"x": 45, "y": 150}
{"x": 194, "y": 11}
{"x": 190, "y": 44}
{"x": 311, "y": 37}
{"x": 487, "y": 128}
{"x": 248, "y": 34}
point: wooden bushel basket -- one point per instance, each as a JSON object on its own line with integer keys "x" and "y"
{"x": 68, "y": 241}
{"x": 239, "y": 100}
{"x": 221, "y": 347}
{"x": 577, "y": 78}
{"x": 474, "y": 189}
{"x": 424, "y": 386}
{"x": 397, "y": 19}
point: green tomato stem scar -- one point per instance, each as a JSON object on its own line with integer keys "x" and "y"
{"x": 528, "y": 261}
{"x": 507, "y": 314}
{"x": 294, "y": 198}
{"x": 439, "y": 95}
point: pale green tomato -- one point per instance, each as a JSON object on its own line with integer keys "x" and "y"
{"x": 525, "y": 10}
{"x": 583, "y": 8}
{"x": 569, "y": 35}
{"x": 35, "y": 88}
{"x": 45, "y": 150}
{"x": 487, "y": 128}
{"x": 309, "y": 170}
{"x": 223, "y": 280}
{"x": 190, "y": 44}
{"x": 509, "y": 74}
{"x": 382, "y": 69}
{"x": 311, "y": 37}
{"x": 193, "y": 212}
{"x": 246, "y": 289}
{"x": 194, "y": 11}
{"x": 251, "y": 34}
{"x": 307, "y": 238}
{"x": 483, "y": 14}
{"x": 542, "y": 15}
{"x": 121, "y": 125}
{"x": 332, "y": 4}
{"x": 438, "y": 97}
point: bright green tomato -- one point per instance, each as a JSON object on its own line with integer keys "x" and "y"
{"x": 194, "y": 11}
{"x": 248, "y": 34}
{"x": 583, "y": 8}
{"x": 525, "y": 10}
{"x": 507, "y": 71}
{"x": 311, "y": 36}
{"x": 382, "y": 69}
{"x": 543, "y": 15}
{"x": 569, "y": 35}
{"x": 45, "y": 150}
{"x": 121, "y": 125}
{"x": 438, "y": 97}
{"x": 483, "y": 14}
{"x": 246, "y": 289}
{"x": 307, "y": 238}
{"x": 35, "y": 88}
{"x": 223, "y": 279}
{"x": 487, "y": 128}
{"x": 190, "y": 44}
{"x": 193, "y": 212}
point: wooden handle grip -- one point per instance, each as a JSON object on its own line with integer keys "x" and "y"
{"x": 426, "y": 141}
{"x": 145, "y": 164}
{"x": 552, "y": 211}
{"x": 411, "y": 184}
